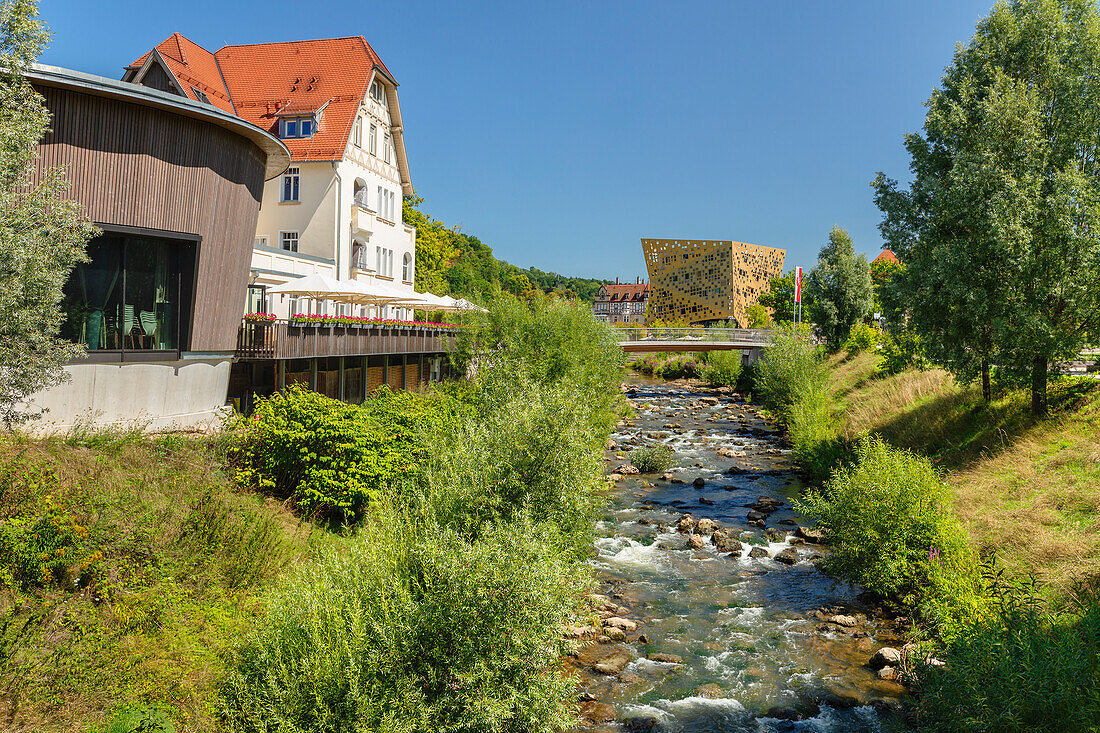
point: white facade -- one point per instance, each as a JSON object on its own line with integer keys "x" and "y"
{"x": 341, "y": 219}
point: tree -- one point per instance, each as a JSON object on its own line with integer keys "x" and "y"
{"x": 780, "y": 297}
{"x": 758, "y": 316}
{"x": 999, "y": 228}
{"x": 42, "y": 236}
{"x": 840, "y": 285}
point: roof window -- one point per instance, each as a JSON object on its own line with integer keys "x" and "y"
{"x": 200, "y": 95}
{"x": 295, "y": 127}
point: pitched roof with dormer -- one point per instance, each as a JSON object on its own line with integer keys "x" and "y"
{"x": 886, "y": 255}
{"x": 627, "y": 292}
{"x": 261, "y": 82}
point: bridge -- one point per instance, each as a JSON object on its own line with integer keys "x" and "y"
{"x": 644, "y": 339}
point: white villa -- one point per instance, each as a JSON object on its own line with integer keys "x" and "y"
{"x": 336, "y": 210}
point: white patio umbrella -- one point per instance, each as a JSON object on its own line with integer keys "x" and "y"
{"x": 466, "y": 305}
{"x": 427, "y": 301}
{"x": 374, "y": 292}
{"x": 319, "y": 287}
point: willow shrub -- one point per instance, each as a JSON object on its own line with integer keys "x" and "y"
{"x": 415, "y": 628}
{"x": 1019, "y": 668}
{"x": 326, "y": 455}
{"x": 888, "y": 523}
{"x": 722, "y": 368}
{"x": 791, "y": 366}
{"x": 652, "y": 458}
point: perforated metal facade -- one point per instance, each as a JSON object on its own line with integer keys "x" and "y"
{"x": 699, "y": 280}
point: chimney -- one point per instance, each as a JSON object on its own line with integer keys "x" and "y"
{"x": 638, "y": 280}
{"x": 616, "y": 281}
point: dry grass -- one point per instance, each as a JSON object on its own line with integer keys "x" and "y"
{"x": 1027, "y": 490}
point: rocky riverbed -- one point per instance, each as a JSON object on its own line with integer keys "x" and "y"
{"x": 713, "y": 615}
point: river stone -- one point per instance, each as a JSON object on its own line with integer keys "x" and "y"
{"x": 705, "y": 501}
{"x": 628, "y": 470}
{"x": 724, "y": 541}
{"x": 613, "y": 663}
{"x": 841, "y": 620}
{"x": 711, "y": 690}
{"x": 755, "y": 516}
{"x": 686, "y": 524}
{"x": 699, "y": 482}
{"x": 809, "y": 534}
{"x": 596, "y": 712}
{"x": 758, "y": 552}
{"x": 887, "y": 673}
{"x": 640, "y": 724}
{"x": 617, "y": 622}
{"x": 676, "y": 480}
{"x": 706, "y": 526}
{"x": 667, "y": 477}
{"x": 666, "y": 658}
{"x": 788, "y": 556}
{"x": 775, "y": 535}
{"x": 614, "y": 634}
{"x": 887, "y": 656}
{"x": 708, "y": 401}
{"x": 695, "y": 541}
{"x": 736, "y": 471}
{"x": 615, "y": 477}
{"x": 580, "y": 632}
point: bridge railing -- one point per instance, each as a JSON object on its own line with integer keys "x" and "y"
{"x": 687, "y": 335}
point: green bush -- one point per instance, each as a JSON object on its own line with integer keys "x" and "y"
{"x": 790, "y": 366}
{"x": 901, "y": 350}
{"x": 1018, "y": 668}
{"x": 887, "y": 519}
{"x": 722, "y": 368}
{"x": 652, "y": 459}
{"x": 140, "y": 720}
{"x": 325, "y": 454}
{"x": 414, "y": 629}
{"x": 814, "y": 432}
{"x": 862, "y": 337}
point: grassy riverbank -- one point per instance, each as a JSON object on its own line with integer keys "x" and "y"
{"x": 434, "y": 543}
{"x": 974, "y": 518}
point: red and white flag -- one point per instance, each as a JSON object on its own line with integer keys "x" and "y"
{"x": 798, "y": 285}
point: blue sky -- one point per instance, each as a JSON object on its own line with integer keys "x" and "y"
{"x": 562, "y": 132}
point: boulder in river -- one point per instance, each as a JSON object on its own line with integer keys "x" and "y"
{"x": 596, "y": 712}
{"x": 727, "y": 453}
{"x": 725, "y": 541}
{"x": 811, "y": 534}
{"x": 613, "y": 663}
{"x": 711, "y": 401}
{"x": 758, "y": 552}
{"x": 788, "y": 556}
{"x": 695, "y": 541}
{"x": 706, "y": 526}
{"x": 711, "y": 690}
{"x": 666, "y": 658}
{"x": 887, "y": 673}
{"x": 845, "y": 621}
{"x": 640, "y": 724}
{"x": 887, "y": 656}
{"x": 686, "y": 524}
{"x": 736, "y": 471}
{"x": 699, "y": 482}
{"x": 617, "y": 622}
{"x": 755, "y": 516}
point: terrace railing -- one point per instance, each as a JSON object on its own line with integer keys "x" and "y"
{"x": 747, "y": 336}
{"x": 286, "y": 340}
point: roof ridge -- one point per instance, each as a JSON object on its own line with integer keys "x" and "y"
{"x": 287, "y": 43}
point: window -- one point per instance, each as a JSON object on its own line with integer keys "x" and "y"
{"x": 386, "y": 147}
{"x": 389, "y": 262}
{"x": 293, "y": 127}
{"x": 378, "y": 261}
{"x": 381, "y": 203}
{"x": 289, "y": 241}
{"x": 407, "y": 267}
{"x": 357, "y": 132}
{"x": 295, "y": 305}
{"x": 290, "y": 185}
{"x": 260, "y": 240}
{"x": 384, "y": 260}
{"x": 131, "y": 295}
{"x": 376, "y": 92}
{"x": 200, "y": 95}
{"x": 372, "y": 140}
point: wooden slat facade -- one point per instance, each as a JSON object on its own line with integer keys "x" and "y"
{"x": 136, "y": 166}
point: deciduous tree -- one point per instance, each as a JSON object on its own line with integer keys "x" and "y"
{"x": 42, "y": 235}
{"x": 999, "y": 228}
{"x": 840, "y": 285}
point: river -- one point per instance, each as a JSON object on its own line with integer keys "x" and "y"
{"x": 741, "y": 643}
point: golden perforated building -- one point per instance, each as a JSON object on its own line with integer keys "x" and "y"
{"x": 699, "y": 280}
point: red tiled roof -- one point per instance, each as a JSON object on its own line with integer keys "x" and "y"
{"x": 193, "y": 66}
{"x": 631, "y": 291}
{"x": 263, "y": 78}
{"x": 886, "y": 256}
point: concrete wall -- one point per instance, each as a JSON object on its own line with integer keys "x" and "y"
{"x": 175, "y": 395}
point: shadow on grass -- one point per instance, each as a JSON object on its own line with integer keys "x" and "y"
{"x": 958, "y": 429}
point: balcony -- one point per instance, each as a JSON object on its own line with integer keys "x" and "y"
{"x": 362, "y": 215}
{"x": 285, "y": 340}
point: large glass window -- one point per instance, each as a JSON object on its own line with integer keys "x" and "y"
{"x": 129, "y": 295}
{"x": 290, "y": 184}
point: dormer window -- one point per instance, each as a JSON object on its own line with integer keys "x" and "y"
{"x": 293, "y": 127}
{"x": 376, "y": 93}
{"x": 200, "y": 95}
